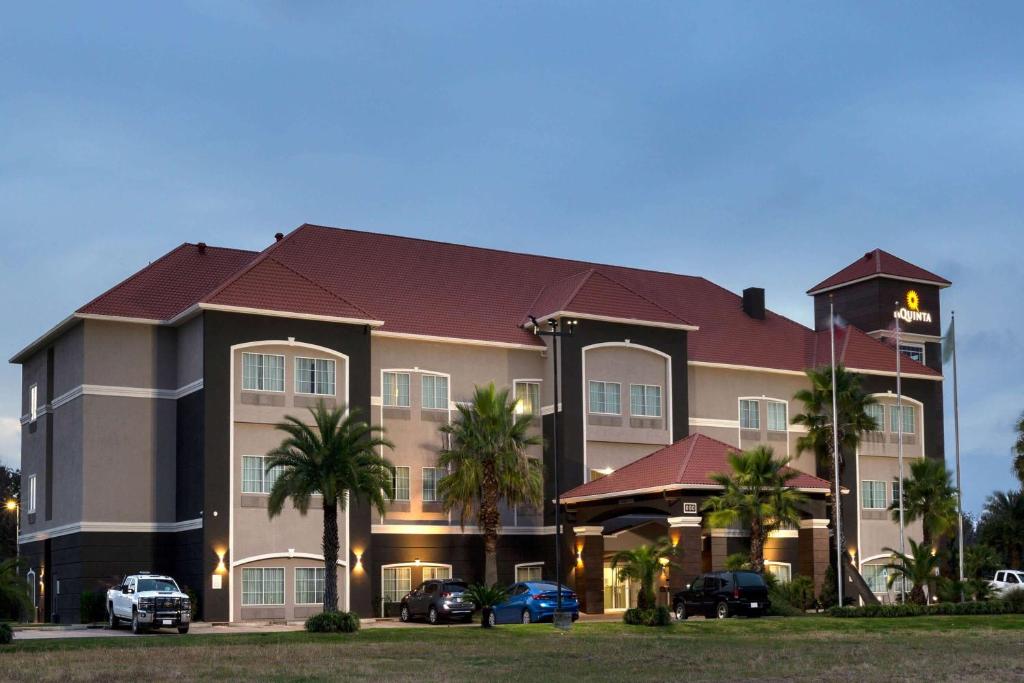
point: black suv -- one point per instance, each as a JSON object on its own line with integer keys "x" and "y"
{"x": 723, "y": 594}
{"x": 437, "y": 599}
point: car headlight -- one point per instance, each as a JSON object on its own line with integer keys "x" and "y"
{"x": 186, "y": 605}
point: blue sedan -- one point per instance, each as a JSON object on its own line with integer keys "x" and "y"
{"x": 530, "y": 601}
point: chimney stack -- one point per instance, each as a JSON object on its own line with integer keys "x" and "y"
{"x": 278, "y": 236}
{"x": 753, "y": 302}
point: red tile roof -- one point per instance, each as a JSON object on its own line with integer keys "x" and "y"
{"x": 878, "y": 263}
{"x": 688, "y": 463}
{"x": 859, "y": 351}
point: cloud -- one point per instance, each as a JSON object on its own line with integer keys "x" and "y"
{"x": 10, "y": 441}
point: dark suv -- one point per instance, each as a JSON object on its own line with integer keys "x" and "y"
{"x": 437, "y": 600}
{"x": 723, "y": 594}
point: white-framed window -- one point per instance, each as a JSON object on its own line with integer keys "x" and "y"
{"x": 395, "y": 583}
{"x": 750, "y": 414}
{"x": 429, "y": 484}
{"x": 262, "y": 586}
{"x": 605, "y": 397}
{"x": 527, "y": 398}
{"x": 645, "y": 400}
{"x": 262, "y": 372}
{"x": 914, "y": 352}
{"x": 877, "y": 411}
{"x": 872, "y": 495}
{"x": 401, "y": 484}
{"x": 782, "y": 571}
{"x": 309, "y": 585}
{"x": 531, "y": 571}
{"x": 777, "y": 416}
{"x": 396, "y": 389}
{"x": 31, "y": 494}
{"x": 437, "y": 571}
{"x": 435, "y": 392}
{"x": 877, "y": 576}
{"x": 908, "y": 419}
{"x": 33, "y": 402}
{"x": 314, "y": 376}
{"x": 255, "y": 477}
{"x": 895, "y": 490}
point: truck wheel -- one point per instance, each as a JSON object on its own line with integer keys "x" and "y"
{"x": 137, "y": 626}
{"x": 680, "y": 611}
{"x": 112, "y": 621}
{"x": 722, "y": 610}
{"x": 183, "y": 629}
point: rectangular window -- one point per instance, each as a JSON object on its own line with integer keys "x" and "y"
{"x": 436, "y": 572}
{"x": 401, "y": 482}
{"x": 31, "y": 494}
{"x": 913, "y": 352}
{"x": 776, "y": 416}
{"x": 429, "y": 484}
{"x": 896, "y": 491}
{"x": 872, "y": 495}
{"x": 876, "y": 576}
{"x": 263, "y": 586}
{"x": 309, "y": 585}
{"x": 262, "y": 372}
{"x": 876, "y": 411}
{"x": 395, "y": 583}
{"x": 255, "y": 477}
{"x": 396, "y": 389}
{"x": 314, "y": 376}
{"x": 645, "y": 400}
{"x": 529, "y": 572}
{"x": 782, "y": 571}
{"x": 908, "y": 419}
{"x": 604, "y": 398}
{"x": 750, "y": 414}
{"x": 33, "y": 402}
{"x": 527, "y": 398}
{"x": 435, "y": 392}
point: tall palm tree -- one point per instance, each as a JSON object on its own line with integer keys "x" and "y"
{"x": 487, "y": 464}
{"x": 757, "y": 495}
{"x": 928, "y": 495}
{"x": 1002, "y": 525}
{"x": 851, "y": 423}
{"x": 1018, "y": 450}
{"x": 642, "y": 565}
{"x": 919, "y": 568}
{"x": 336, "y": 457}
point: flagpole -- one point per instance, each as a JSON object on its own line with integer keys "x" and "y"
{"x": 835, "y": 454}
{"x": 956, "y": 433}
{"x": 899, "y": 411}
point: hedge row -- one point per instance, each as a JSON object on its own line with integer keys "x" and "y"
{"x": 942, "y": 608}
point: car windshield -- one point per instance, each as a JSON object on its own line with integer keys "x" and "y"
{"x": 749, "y": 579}
{"x": 455, "y": 587}
{"x": 157, "y": 585}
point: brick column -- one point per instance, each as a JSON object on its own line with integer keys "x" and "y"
{"x": 589, "y": 546}
{"x": 685, "y": 533}
{"x": 814, "y": 550}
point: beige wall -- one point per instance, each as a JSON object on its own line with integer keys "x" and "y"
{"x": 877, "y": 529}
{"x": 130, "y": 355}
{"x": 289, "y": 610}
{"x": 886, "y": 442}
{"x": 190, "y": 352}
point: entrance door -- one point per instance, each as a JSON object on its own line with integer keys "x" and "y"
{"x": 617, "y": 594}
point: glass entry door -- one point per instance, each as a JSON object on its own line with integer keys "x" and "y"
{"x": 618, "y": 594}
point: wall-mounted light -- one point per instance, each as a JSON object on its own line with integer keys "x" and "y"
{"x": 579, "y": 555}
{"x": 221, "y": 567}
{"x": 675, "y": 539}
{"x": 417, "y": 561}
{"x": 359, "y": 560}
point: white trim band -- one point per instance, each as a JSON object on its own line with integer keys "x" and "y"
{"x": 440, "y": 529}
{"x": 111, "y": 527}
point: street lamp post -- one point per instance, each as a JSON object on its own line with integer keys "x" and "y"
{"x": 556, "y": 331}
{"x": 12, "y": 506}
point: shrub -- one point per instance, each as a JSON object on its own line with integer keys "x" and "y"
{"x": 798, "y": 593}
{"x": 655, "y": 616}
{"x": 93, "y": 606}
{"x": 1008, "y": 605}
{"x": 737, "y": 562}
{"x": 333, "y": 622}
{"x": 6, "y": 634}
{"x": 1014, "y": 600}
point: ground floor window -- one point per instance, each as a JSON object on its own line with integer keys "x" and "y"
{"x": 309, "y": 585}
{"x": 782, "y": 571}
{"x": 530, "y": 572}
{"x": 618, "y": 594}
{"x": 263, "y": 586}
{"x": 877, "y": 577}
{"x": 395, "y": 583}
{"x": 437, "y": 572}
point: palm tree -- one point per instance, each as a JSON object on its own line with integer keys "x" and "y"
{"x": 930, "y": 496}
{"x": 1002, "y": 525}
{"x": 1018, "y": 450}
{"x": 337, "y": 458}
{"x": 919, "y": 568}
{"x": 14, "y": 597}
{"x": 853, "y": 420}
{"x": 642, "y": 565}
{"x": 487, "y": 464}
{"x": 757, "y": 495}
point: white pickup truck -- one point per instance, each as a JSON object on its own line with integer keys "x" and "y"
{"x": 1007, "y": 580}
{"x": 148, "y": 601}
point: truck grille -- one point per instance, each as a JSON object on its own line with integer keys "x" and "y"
{"x": 167, "y": 603}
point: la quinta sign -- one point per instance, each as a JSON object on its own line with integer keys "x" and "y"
{"x": 911, "y": 312}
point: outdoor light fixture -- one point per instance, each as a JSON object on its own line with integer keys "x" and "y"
{"x": 11, "y": 505}
{"x": 359, "y": 560}
{"x": 417, "y": 561}
{"x": 221, "y": 567}
{"x": 664, "y": 566}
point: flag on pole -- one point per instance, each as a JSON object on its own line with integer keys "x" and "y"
{"x": 949, "y": 342}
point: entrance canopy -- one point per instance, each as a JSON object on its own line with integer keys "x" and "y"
{"x": 685, "y": 465}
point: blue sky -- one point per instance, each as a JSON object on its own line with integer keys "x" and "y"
{"x": 752, "y": 143}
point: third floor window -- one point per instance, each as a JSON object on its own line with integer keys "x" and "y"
{"x": 750, "y": 415}
{"x": 435, "y": 392}
{"x": 395, "y": 391}
{"x": 262, "y": 372}
{"x": 604, "y": 397}
{"x": 645, "y": 400}
{"x": 314, "y": 376}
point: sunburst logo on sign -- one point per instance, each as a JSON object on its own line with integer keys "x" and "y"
{"x": 911, "y": 311}
{"x": 913, "y": 300}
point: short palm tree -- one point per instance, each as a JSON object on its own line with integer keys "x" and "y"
{"x": 336, "y": 457}
{"x": 919, "y": 568}
{"x": 485, "y": 598}
{"x": 757, "y": 495}
{"x": 642, "y": 565}
{"x": 14, "y": 589}
{"x": 1018, "y": 450}
{"x": 487, "y": 464}
{"x": 928, "y": 495}
{"x": 1002, "y": 525}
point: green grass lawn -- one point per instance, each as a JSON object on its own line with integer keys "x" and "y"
{"x": 983, "y": 648}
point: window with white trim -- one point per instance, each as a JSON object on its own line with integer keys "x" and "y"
{"x": 896, "y": 491}
{"x": 262, "y": 586}
{"x": 255, "y": 477}
{"x": 429, "y": 484}
{"x": 877, "y": 578}
{"x": 872, "y": 495}
{"x": 530, "y": 572}
{"x": 262, "y": 372}
{"x": 395, "y": 392}
{"x": 750, "y": 414}
{"x": 605, "y": 398}
{"x": 309, "y": 585}
{"x": 436, "y": 572}
{"x": 314, "y": 376}
{"x": 401, "y": 484}
{"x": 777, "y": 416}
{"x": 876, "y": 411}
{"x": 782, "y": 571}
{"x": 435, "y": 392}
{"x": 33, "y": 402}
{"x": 31, "y": 494}
{"x": 395, "y": 583}
{"x": 527, "y": 398}
{"x": 645, "y": 400}
{"x": 914, "y": 352}
{"x": 908, "y": 419}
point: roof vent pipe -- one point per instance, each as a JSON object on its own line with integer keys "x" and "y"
{"x": 753, "y": 302}
{"x": 278, "y": 236}
{"x": 202, "y": 247}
